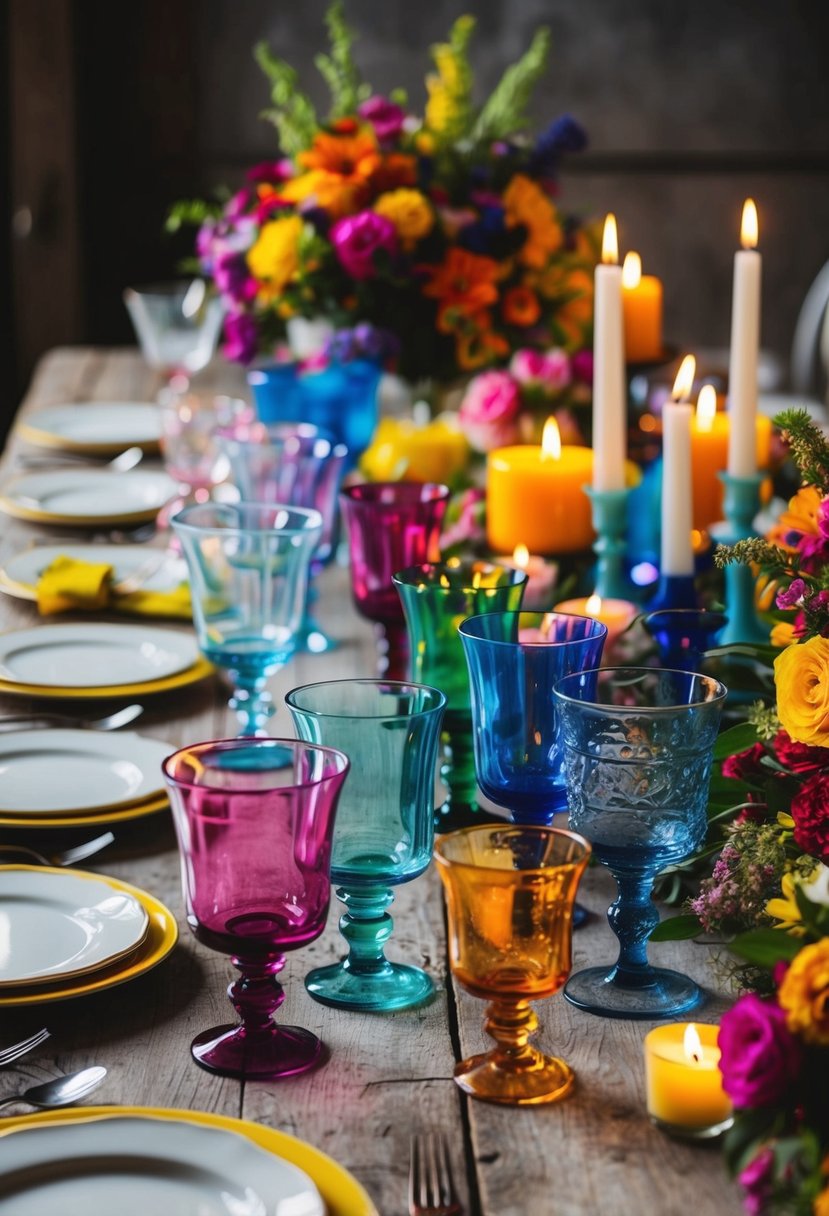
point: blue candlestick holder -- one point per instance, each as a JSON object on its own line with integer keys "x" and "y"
{"x": 610, "y": 508}
{"x": 674, "y": 591}
{"x": 742, "y": 502}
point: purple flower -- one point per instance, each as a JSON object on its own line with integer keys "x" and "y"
{"x": 386, "y": 117}
{"x": 756, "y": 1181}
{"x": 759, "y": 1056}
{"x": 241, "y": 337}
{"x": 233, "y": 279}
{"x": 581, "y": 365}
{"x": 792, "y": 594}
{"x": 564, "y": 134}
{"x": 358, "y": 238}
{"x": 271, "y": 171}
{"x": 364, "y": 341}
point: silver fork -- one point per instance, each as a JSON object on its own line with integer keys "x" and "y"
{"x": 431, "y": 1189}
{"x": 68, "y": 857}
{"x": 9, "y": 1054}
{"x": 34, "y": 721}
{"x": 121, "y": 463}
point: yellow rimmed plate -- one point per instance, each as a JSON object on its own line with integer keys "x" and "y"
{"x": 152, "y": 806}
{"x": 88, "y": 497}
{"x": 343, "y": 1194}
{"x": 161, "y": 937}
{"x": 94, "y": 428}
{"x": 200, "y": 670}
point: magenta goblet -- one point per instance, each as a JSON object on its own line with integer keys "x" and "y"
{"x": 391, "y": 525}
{"x": 255, "y": 835}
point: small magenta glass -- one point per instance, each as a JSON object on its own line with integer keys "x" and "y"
{"x": 384, "y": 833}
{"x": 391, "y": 525}
{"x": 296, "y": 463}
{"x": 515, "y": 660}
{"x": 248, "y": 566}
{"x": 638, "y": 744}
{"x": 255, "y": 836}
{"x": 436, "y": 598}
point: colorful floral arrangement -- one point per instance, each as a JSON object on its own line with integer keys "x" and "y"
{"x": 442, "y": 229}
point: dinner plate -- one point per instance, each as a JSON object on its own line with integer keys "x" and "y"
{"x": 341, "y": 1192}
{"x": 55, "y": 924}
{"x": 200, "y": 670}
{"x": 61, "y": 772}
{"x": 87, "y": 819}
{"x": 96, "y": 427}
{"x": 22, "y": 573}
{"x": 134, "y": 1166}
{"x": 95, "y": 655}
{"x": 88, "y": 496}
{"x": 162, "y": 935}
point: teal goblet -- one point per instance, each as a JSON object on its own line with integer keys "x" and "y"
{"x": 384, "y": 830}
{"x": 436, "y": 598}
{"x": 248, "y": 567}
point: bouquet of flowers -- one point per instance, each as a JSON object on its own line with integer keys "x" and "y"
{"x": 443, "y": 230}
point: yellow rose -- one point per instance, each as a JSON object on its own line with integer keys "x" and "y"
{"x": 274, "y": 257}
{"x": 804, "y": 994}
{"x": 410, "y": 213}
{"x": 801, "y": 675}
{"x": 821, "y": 1204}
{"x": 782, "y": 634}
{"x": 402, "y": 449}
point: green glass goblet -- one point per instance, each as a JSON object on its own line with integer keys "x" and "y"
{"x": 384, "y": 830}
{"x": 436, "y": 598}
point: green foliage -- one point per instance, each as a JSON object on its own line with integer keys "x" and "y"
{"x": 505, "y": 112}
{"x": 293, "y": 114}
{"x": 808, "y": 446}
{"x": 338, "y": 70}
{"x": 737, "y": 739}
{"x": 766, "y": 947}
{"x": 758, "y": 552}
{"x": 677, "y": 928}
{"x": 191, "y": 213}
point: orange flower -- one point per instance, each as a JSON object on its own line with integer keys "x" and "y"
{"x": 335, "y": 194}
{"x": 354, "y": 157}
{"x": 478, "y": 348}
{"x": 394, "y": 170}
{"x": 525, "y": 203}
{"x": 520, "y": 306}
{"x": 801, "y": 517}
{"x": 464, "y": 282}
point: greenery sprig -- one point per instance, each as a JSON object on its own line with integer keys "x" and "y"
{"x": 808, "y": 446}
{"x": 506, "y": 110}
{"x": 753, "y": 551}
{"x": 338, "y": 70}
{"x": 293, "y": 113}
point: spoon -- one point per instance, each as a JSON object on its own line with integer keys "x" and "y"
{"x": 63, "y": 1091}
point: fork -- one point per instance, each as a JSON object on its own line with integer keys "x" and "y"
{"x": 121, "y": 463}
{"x": 9, "y": 1054}
{"x": 431, "y": 1189}
{"x": 32, "y": 721}
{"x": 68, "y": 857}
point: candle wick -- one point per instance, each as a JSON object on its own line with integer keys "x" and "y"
{"x": 695, "y": 1057}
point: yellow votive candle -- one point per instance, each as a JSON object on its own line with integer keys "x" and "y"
{"x": 682, "y": 1080}
{"x": 615, "y": 614}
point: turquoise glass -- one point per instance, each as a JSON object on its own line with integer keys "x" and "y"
{"x": 384, "y": 831}
{"x": 436, "y": 598}
{"x": 248, "y": 567}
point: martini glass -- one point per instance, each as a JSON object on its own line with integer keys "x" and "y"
{"x": 255, "y": 840}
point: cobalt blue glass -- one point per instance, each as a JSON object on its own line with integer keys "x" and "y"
{"x": 340, "y": 398}
{"x": 683, "y": 635}
{"x": 638, "y": 745}
{"x": 515, "y": 659}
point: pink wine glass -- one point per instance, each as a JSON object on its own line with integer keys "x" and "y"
{"x": 255, "y": 822}
{"x": 391, "y": 525}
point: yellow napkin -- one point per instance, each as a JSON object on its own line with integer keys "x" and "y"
{"x": 67, "y": 584}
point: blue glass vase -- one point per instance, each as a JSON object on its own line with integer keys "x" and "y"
{"x": 638, "y": 747}
{"x": 341, "y": 398}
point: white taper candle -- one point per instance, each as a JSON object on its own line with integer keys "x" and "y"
{"x": 609, "y": 403}
{"x": 745, "y": 349}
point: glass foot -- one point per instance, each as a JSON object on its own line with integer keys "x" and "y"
{"x": 451, "y": 816}
{"x": 228, "y": 1051}
{"x": 597, "y": 990}
{"x": 313, "y": 639}
{"x": 538, "y": 1080}
{"x": 393, "y": 986}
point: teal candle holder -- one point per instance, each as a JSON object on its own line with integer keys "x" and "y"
{"x": 742, "y": 502}
{"x": 610, "y": 522}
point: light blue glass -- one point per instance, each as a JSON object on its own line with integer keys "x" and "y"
{"x": 638, "y": 747}
{"x": 384, "y": 831}
{"x": 515, "y": 659}
{"x": 248, "y": 568}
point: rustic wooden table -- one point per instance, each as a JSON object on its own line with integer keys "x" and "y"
{"x": 387, "y": 1076}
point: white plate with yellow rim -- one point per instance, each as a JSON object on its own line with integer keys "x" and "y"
{"x": 22, "y": 572}
{"x": 56, "y": 924}
{"x": 85, "y": 655}
{"x": 88, "y": 496}
{"x": 96, "y": 427}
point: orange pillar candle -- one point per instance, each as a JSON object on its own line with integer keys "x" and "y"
{"x": 535, "y": 496}
{"x": 642, "y": 312}
{"x": 710, "y": 436}
{"x": 615, "y": 614}
{"x": 683, "y": 1082}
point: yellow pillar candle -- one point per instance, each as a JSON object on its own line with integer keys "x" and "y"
{"x": 535, "y": 496}
{"x": 682, "y": 1080}
{"x": 642, "y": 312}
{"x": 710, "y": 435}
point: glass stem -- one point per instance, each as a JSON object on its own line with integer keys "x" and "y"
{"x": 458, "y": 767}
{"x": 257, "y": 995}
{"x": 511, "y": 1024}
{"x": 392, "y": 650}
{"x": 633, "y": 917}
{"x": 252, "y": 702}
{"x": 366, "y": 926}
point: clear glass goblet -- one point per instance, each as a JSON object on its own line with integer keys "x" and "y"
{"x": 248, "y": 566}
{"x": 510, "y": 893}
{"x": 177, "y": 324}
{"x": 638, "y": 748}
{"x": 384, "y": 832}
{"x": 291, "y": 462}
{"x": 255, "y": 836}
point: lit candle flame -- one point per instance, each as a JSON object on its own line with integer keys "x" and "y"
{"x": 706, "y": 407}
{"x": 631, "y": 271}
{"x": 551, "y": 441}
{"x": 692, "y": 1043}
{"x": 610, "y": 241}
{"x": 593, "y": 605}
{"x": 684, "y": 379}
{"x": 749, "y": 228}
{"x": 521, "y": 556}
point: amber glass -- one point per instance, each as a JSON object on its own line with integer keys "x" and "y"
{"x": 510, "y": 893}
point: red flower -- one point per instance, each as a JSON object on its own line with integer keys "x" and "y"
{"x": 810, "y": 811}
{"x": 745, "y": 766}
{"x": 799, "y": 757}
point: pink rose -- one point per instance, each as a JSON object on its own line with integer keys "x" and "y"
{"x": 557, "y": 372}
{"x": 527, "y": 366}
{"x": 582, "y": 364}
{"x": 358, "y": 238}
{"x": 759, "y": 1055}
{"x": 386, "y": 117}
{"x": 489, "y": 411}
{"x": 547, "y": 370}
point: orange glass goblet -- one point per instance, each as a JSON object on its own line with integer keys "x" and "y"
{"x": 510, "y": 892}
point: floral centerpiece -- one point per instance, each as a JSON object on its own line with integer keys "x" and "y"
{"x": 443, "y": 230}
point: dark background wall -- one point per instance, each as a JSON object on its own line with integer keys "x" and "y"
{"x": 116, "y": 109}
